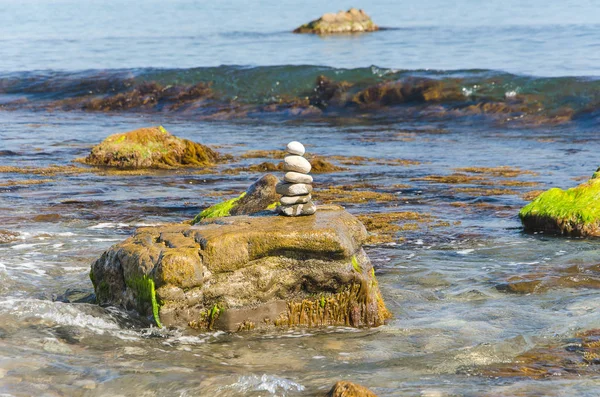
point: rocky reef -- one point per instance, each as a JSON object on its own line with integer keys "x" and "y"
{"x": 350, "y": 21}
{"x": 260, "y": 196}
{"x": 152, "y": 147}
{"x": 572, "y": 212}
{"x": 246, "y": 272}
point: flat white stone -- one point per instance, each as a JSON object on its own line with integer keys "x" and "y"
{"x": 296, "y": 177}
{"x": 298, "y": 210}
{"x": 295, "y": 147}
{"x": 293, "y": 189}
{"x": 296, "y": 163}
{"x": 291, "y": 200}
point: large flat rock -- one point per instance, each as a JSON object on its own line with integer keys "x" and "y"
{"x": 246, "y": 272}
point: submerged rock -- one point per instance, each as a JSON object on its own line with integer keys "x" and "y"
{"x": 570, "y": 358}
{"x": 573, "y": 212}
{"x": 152, "y": 147}
{"x": 260, "y": 196}
{"x": 575, "y": 276}
{"x": 240, "y": 273}
{"x": 350, "y": 21}
{"x": 349, "y": 389}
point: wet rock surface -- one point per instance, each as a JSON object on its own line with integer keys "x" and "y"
{"x": 349, "y": 389}
{"x": 350, "y": 21}
{"x": 572, "y": 212}
{"x": 152, "y": 147}
{"x": 241, "y": 273}
{"x": 260, "y": 196}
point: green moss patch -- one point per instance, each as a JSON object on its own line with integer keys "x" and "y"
{"x": 218, "y": 210}
{"x": 575, "y": 211}
{"x": 152, "y": 147}
{"x": 145, "y": 294}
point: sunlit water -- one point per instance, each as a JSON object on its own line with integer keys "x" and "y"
{"x": 439, "y": 282}
{"x": 536, "y": 37}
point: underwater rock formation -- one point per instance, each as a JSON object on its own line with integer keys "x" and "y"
{"x": 572, "y": 212}
{"x": 246, "y": 272}
{"x": 258, "y": 197}
{"x": 350, "y": 21}
{"x": 152, "y": 147}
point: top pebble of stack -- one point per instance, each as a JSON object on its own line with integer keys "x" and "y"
{"x": 296, "y": 148}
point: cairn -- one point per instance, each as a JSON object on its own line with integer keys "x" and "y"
{"x": 296, "y": 187}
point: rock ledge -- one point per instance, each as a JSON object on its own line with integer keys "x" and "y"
{"x": 245, "y": 272}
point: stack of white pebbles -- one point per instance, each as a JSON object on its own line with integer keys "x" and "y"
{"x": 296, "y": 199}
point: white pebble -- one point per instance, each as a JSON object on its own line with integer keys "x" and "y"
{"x": 295, "y": 147}
{"x": 296, "y": 163}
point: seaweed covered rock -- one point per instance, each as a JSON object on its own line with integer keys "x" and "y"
{"x": 152, "y": 147}
{"x": 573, "y": 212}
{"x": 350, "y": 21}
{"x": 258, "y": 197}
{"x": 246, "y": 272}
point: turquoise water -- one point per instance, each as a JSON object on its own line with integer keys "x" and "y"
{"x": 519, "y": 88}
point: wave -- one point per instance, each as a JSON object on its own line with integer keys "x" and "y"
{"x": 306, "y": 91}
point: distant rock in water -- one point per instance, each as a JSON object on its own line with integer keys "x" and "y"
{"x": 572, "y": 212}
{"x": 260, "y": 196}
{"x": 152, "y": 147}
{"x": 351, "y": 21}
{"x": 349, "y": 389}
{"x": 246, "y": 272}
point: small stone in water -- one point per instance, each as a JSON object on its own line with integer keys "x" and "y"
{"x": 293, "y": 189}
{"x": 291, "y": 200}
{"x": 296, "y": 177}
{"x": 298, "y": 210}
{"x": 295, "y": 147}
{"x": 296, "y": 164}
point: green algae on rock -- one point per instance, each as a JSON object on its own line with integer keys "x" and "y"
{"x": 573, "y": 212}
{"x": 351, "y": 21}
{"x": 152, "y": 147}
{"x": 260, "y": 196}
{"x": 246, "y": 272}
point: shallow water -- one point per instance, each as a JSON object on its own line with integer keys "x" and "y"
{"x": 449, "y": 319}
{"x": 438, "y": 275}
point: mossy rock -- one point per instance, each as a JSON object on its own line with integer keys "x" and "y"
{"x": 572, "y": 212}
{"x": 246, "y": 272}
{"x": 152, "y": 147}
{"x": 260, "y": 196}
{"x": 351, "y": 21}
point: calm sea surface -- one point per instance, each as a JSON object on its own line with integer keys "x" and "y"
{"x": 509, "y": 84}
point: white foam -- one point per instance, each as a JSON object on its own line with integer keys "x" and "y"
{"x": 465, "y": 251}
{"x": 26, "y": 246}
{"x": 269, "y": 383}
{"x": 108, "y": 225}
{"x": 56, "y": 312}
